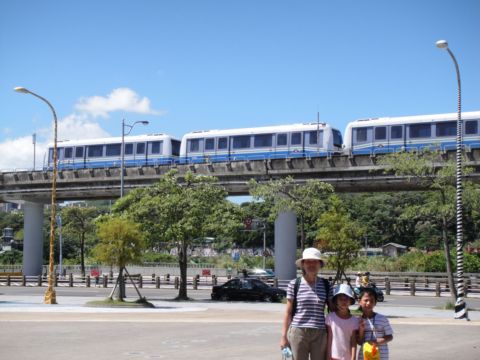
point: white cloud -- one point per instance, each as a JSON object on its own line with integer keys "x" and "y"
{"x": 121, "y": 99}
{"x": 17, "y": 153}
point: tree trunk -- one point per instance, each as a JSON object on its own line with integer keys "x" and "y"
{"x": 182, "y": 259}
{"x": 82, "y": 254}
{"x": 119, "y": 292}
{"x": 446, "y": 249}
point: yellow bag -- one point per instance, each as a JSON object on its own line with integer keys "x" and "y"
{"x": 370, "y": 351}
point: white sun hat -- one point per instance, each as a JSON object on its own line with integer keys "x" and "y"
{"x": 310, "y": 254}
{"x": 344, "y": 289}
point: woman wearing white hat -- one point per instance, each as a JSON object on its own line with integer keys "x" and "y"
{"x": 304, "y": 327}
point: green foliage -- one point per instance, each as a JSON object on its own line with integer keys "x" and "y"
{"x": 307, "y": 201}
{"x": 471, "y": 263}
{"x": 11, "y": 257}
{"x": 154, "y": 257}
{"x": 121, "y": 242}
{"x": 339, "y": 235}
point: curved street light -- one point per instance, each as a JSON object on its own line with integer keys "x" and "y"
{"x": 50, "y": 295}
{"x": 122, "y": 167}
{"x": 460, "y": 306}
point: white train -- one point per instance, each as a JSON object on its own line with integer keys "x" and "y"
{"x": 156, "y": 149}
{"x": 390, "y": 134}
{"x": 269, "y": 142}
{"x": 368, "y": 136}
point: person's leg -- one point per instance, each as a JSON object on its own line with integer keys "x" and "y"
{"x": 318, "y": 345}
{"x": 298, "y": 343}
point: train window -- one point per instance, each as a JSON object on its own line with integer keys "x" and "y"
{"x": 140, "y": 148}
{"x": 281, "y": 139}
{"x": 210, "y": 144}
{"x": 222, "y": 143}
{"x": 194, "y": 145}
{"x": 264, "y": 140}
{"x": 381, "y": 133}
{"x": 241, "y": 142}
{"x": 361, "y": 134}
{"x": 128, "y": 149}
{"x": 156, "y": 147}
{"x": 296, "y": 139}
{"x": 95, "y": 151}
{"x": 446, "y": 128}
{"x": 420, "y": 130}
{"x": 313, "y": 137}
{"x": 175, "y": 147}
{"x": 79, "y": 152}
{"x": 471, "y": 127}
{"x": 396, "y": 132}
{"x": 113, "y": 150}
{"x": 68, "y": 153}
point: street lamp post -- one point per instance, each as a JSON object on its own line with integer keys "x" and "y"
{"x": 122, "y": 167}
{"x": 460, "y": 306}
{"x": 50, "y": 296}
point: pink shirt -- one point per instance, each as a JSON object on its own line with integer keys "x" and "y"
{"x": 342, "y": 330}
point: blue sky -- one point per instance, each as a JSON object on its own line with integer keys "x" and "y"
{"x": 190, "y": 65}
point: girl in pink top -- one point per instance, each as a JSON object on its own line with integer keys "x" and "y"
{"x": 343, "y": 329}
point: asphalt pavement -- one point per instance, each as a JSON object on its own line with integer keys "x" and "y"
{"x": 203, "y": 329}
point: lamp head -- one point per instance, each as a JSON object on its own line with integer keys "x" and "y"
{"x": 21, "y": 90}
{"x": 442, "y": 44}
{"x": 144, "y": 122}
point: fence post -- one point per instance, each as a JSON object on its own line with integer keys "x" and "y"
{"x": 177, "y": 282}
{"x": 105, "y": 281}
{"x": 167, "y": 278}
{"x": 140, "y": 281}
{"x": 275, "y": 282}
{"x": 426, "y": 282}
{"x": 467, "y": 283}
{"x": 70, "y": 280}
{"x": 406, "y": 282}
{"x": 387, "y": 286}
{"x": 8, "y": 280}
{"x": 39, "y": 282}
{"x": 157, "y": 282}
{"x": 437, "y": 289}
{"x": 24, "y": 280}
{"x": 55, "y": 283}
{"x": 195, "y": 283}
{"x": 214, "y": 280}
{"x": 412, "y": 287}
{"x": 153, "y": 278}
{"x": 87, "y": 281}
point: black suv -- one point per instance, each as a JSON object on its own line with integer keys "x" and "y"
{"x": 247, "y": 289}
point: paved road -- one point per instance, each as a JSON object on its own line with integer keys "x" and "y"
{"x": 200, "y": 329}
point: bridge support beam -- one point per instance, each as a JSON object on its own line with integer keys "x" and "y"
{"x": 33, "y": 239}
{"x": 285, "y": 245}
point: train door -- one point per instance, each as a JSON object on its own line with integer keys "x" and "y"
{"x": 362, "y": 140}
{"x": 281, "y": 145}
{"x": 80, "y": 158}
{"x": 396, "y": 138}
{"x": 380, "y": 142}
{"x": 418, "y": 136}
{"x": 140, "y": 154}
{"x": 296, "y": 144}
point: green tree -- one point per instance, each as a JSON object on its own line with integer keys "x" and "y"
{"x": 340, "y": 236}
{"x": 121, "y": 243}
{"x": 176, "y": 212}
{"x": 78, "y": 223}
{"x": 307, "y": 201}
{"x": 439, "y": 207}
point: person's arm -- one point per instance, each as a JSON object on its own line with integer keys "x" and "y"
{"x": 353, "y": 345}
{"x": 361, "y": 331}
{"x": 329, "y": 342}
{"x": 287, "y": 319}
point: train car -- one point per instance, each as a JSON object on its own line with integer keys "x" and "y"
{"x": 141, "y": 150}
{"x": 270, "y": 142}
{"x": 390, "y": 134}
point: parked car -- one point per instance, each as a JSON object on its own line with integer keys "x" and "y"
{"x": 247, "y": 289}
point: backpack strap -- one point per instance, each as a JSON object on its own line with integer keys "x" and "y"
{"x": 295, "y": 292}
{"x": 326, "y": 283}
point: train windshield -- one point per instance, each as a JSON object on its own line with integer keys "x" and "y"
{"x": 337, "y": 138}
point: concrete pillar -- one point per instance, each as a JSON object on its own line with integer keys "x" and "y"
{"x": 33, "y": 239}
{"x": 286, "y": 245}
